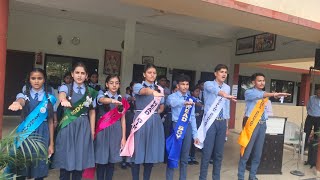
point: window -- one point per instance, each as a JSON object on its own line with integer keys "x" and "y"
{"x": 282, "y": 86}
{"x": 56, "y": 66}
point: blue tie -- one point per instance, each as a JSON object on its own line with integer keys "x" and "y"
{"x": 79, "y": 90}
{"x": 220, "y": 116}
{"x": 263, "y": 118}
{"x": 36, "y": 96}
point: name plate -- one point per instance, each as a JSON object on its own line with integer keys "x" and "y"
{"x": 275, "y": 125}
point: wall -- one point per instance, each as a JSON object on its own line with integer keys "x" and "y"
{"x": 307, "y": 10}
{"x": 290, "y": 110}
{"x": 31, "y": 32}
{"x": 286, "y": 48}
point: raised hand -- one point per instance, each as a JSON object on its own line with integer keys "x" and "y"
{"x": 66, "y": 103}
{"x": 157, "y": 94}
{"x": 15, "y": 106}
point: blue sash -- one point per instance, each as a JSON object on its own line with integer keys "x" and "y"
{"x": 174, "y": 141}
{"x": 33, "y": 120}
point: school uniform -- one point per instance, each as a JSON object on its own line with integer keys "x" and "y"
{"x": 216, "y": 134}
{"x": 38, "y": 169}
{"x": 255, "y": 146}
{"x": 149, "y": 139}
{"x": 74, "y": 150}
{"x": 108, "y": 142}
{"x": 198, "y": 114}
{"x": 176, "y": 101}
{"x": 95, "y": 86}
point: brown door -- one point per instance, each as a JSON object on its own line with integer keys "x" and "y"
{"x": 18, "y": 64}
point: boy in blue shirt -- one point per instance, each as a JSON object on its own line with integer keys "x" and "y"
{"x": 255, "y": 146}
{"x": 177, "y": 101}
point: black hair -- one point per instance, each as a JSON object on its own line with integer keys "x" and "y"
{"x": 220, "y": 66}
{"x": 192, "y": 89}
{"x": 80, "y": 64}
{"x": 107, "y": 106}
{"x": 67, "y": 74}
{"x": 182, "y": 78}
{"x": 201, "y": 81}
{"x": 26, "y": 110}
{"x": 162, "y": 77}
{"x": 255, "y": 75}
{"x": 108, "y": 79}
{"x": 148, "y": 66}
{"x": 94, "y": 73}
{"x": 128, "y": 89}
{"x": 168, "y": 81}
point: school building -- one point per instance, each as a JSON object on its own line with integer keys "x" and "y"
{"x": 278, "y": 39}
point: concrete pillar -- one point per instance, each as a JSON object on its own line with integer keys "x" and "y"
{"x": 233, "y": 105}
{"x": 128, "y": 53}
{"x": 4, "y": 10}
{"x": 304, "y": 89}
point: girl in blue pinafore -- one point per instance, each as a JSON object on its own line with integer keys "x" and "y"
{"x": 149, "y": 139}
{"x": 35, "y": 91}
{"x": 74, "y": 143}
{"x": 109, "y": 141}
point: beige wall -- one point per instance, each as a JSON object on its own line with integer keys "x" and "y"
{"x": 34, "y": 32}
{"x": 293, "y": 113}
{"x": 305, "y": 9}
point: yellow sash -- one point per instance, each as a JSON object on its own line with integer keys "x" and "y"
{"x": 251, "y": 124}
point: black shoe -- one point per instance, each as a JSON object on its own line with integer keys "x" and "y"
{"x": 211, "y": 161}
{"x": 128, "y": 164}
{"x": 123, "y": 165}
{"x": 306, "y": 163}
{"x": 195, "y": 162}
{"x": 253, "y": 178}
{"x": 190, "y": 162}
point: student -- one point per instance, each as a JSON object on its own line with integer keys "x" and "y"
{"x": 198, "y": 114}
{"x": 180, "y": 102}
{"x": 216, "y": 133}
{"x": 148, "y": 138}
{"x": 93, "y": 81}
{"x": 111, "y": 139}
{"x": 37, "y": 104}
{"x": 67, "y": 79}
{"x": 256, "y": 99}
{"x": 129, "y": 117}
{"x": 74, "y": 142}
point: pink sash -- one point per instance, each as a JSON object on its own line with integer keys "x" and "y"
{"x": 111, "y": 117}
{"x": 105, "y": 121}
{"x": 145, "y": 114}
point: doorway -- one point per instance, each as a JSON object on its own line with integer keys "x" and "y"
{"x": 18, "y": 64}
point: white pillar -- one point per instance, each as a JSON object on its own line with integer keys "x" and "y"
{"x": 128, "y": 54}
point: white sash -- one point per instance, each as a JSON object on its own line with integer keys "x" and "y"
{"x": 208, "y": 119}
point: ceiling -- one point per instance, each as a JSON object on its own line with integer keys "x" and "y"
{"x": 298, "y": 65}
{"x": 113, "y": 12}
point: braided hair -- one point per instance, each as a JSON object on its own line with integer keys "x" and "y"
{"x": 107, "y": 106}
{"x": 26, "y": 110}
{"x": 79, "y": 64}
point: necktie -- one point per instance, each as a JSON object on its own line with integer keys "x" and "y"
{"x": 202, "y": 97}
{"x": 263, "y": 117}
{"x": 184, "y": 97}
{"x": 36, "y": 96}
{"x": 79, "y": 89}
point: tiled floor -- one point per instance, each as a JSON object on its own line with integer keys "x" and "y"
{"x": 229, "y": 167}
